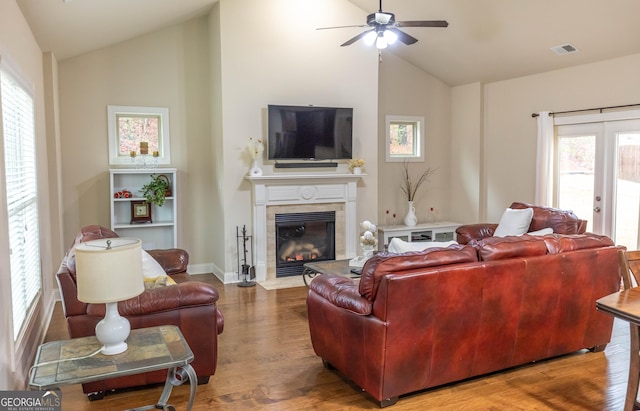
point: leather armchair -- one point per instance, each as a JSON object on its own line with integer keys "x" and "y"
{"x": 562, "y": 222}
{"x": 190, "y": 305}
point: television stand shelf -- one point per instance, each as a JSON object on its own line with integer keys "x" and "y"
{"x": 438, "y": 231}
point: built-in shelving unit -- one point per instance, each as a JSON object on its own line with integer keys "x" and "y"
{"x": 162, "y": 231}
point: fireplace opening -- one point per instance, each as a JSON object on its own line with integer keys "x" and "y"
{"x": 303, "y": 238}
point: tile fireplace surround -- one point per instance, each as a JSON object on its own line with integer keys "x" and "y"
{"x": 282, "y": 193}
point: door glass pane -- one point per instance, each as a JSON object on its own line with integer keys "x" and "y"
{"x": 576, "y": 166}
{"x": 627, "y": 190}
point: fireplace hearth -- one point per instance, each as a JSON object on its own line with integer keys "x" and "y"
{"x": 302, "y": 238}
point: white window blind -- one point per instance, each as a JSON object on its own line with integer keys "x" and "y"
{"x": 22, "y": 200}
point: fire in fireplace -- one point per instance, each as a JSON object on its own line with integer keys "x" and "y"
{"x": 303, "y": 237}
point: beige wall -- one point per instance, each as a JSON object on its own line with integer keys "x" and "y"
{"x": 167, "y": 68}
{"x": 216, "y": 236}
{"x": 408, "y": 91}
{"x": 272, "y": 54}
{"x": 510, "y": 133}
{"x": 217, "y": 78}
{"x": 20, "y": 52}
{"x": 466, "y": 153}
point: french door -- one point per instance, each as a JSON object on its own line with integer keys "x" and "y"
{"x": 598, "y": 177}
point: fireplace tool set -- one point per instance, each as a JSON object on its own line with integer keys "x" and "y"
{"x": 247, "y": 271}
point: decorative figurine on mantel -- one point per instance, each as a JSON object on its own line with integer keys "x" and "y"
{"x": 255, "y": 150}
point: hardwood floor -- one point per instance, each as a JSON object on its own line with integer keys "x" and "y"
{"x": 265, "y": 361}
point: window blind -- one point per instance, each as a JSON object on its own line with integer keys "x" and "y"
{"x": 18, "y": 123}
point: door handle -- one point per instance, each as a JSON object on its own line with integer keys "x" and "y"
{"x": 596, "y": 209}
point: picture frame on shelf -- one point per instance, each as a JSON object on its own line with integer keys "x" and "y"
{"x": 140, "y": 212}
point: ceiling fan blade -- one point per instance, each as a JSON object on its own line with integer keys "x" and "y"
{"x": 355, "y": 38}
{"x": 404, "y": 37}
{"x": 341, "y": 27}
{"x": 423, "y": 23}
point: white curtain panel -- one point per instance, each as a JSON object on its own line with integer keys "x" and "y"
{"x": 544, "y": 163}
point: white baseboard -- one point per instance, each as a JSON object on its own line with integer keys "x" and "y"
{"x": 224, "y": 277}
{"x": 200, "y": 268}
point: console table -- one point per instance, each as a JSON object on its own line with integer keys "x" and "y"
{"x": 79, "y": 360}
{"x": 437, "y": 231}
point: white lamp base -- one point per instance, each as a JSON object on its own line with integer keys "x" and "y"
{"x": 113, "y": 330}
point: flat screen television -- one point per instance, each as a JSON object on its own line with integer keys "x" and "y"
{"x": 309, "y": 133}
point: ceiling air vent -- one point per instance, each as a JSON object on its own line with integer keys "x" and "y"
{"x": 564, "y": 49}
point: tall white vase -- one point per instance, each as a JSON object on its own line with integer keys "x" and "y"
{"x": 255, "y": 170}
{"x": 411, "y": 219}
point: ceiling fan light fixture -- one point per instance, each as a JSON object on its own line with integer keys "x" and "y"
{"x": 381, "y": 42}
{"x": 370, "y": 38}
{"x": 390, "y": 37}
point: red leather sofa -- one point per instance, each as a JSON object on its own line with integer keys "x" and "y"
{"x": 561, "y": 221}
{"x": 423, "y": 319}
{"x": 190, "y": 305}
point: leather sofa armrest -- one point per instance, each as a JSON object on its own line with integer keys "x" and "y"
{"x": 69, "y": 293}
{"x": 341, "y": 292}
{"x": 173, "y": 297}
{"x": 172, "y": 260}
{"x": 466, "y": 233}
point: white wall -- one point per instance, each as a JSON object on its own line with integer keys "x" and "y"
{"x": 406, "y": 90}
{"x": 20, "y": 52}
{"x": 271, "y": 53}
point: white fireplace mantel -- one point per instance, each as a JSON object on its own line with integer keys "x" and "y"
{"x": 301, "y": 189}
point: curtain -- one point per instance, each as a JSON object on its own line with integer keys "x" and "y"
{"x": 544, "y": 160}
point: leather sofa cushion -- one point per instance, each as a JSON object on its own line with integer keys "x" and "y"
{"x": 384, "y": 263}
{"x": 559, "y": 243}
{"x": 500, "y": 248}
{"x": 562, "y": 221}
{"x": 341, "y": 292}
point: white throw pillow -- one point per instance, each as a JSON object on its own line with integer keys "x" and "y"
{"x": 544, "y": 231}
{"x": 399, "y": 246}
{"x": 514, "y": 222}
{"x": 150, "y": 267}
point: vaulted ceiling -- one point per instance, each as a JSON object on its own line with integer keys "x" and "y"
{"x": 486, "y": 41}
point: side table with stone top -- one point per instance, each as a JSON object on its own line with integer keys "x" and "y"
{"x": 78, "y": 360}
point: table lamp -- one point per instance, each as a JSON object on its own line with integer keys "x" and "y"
{"x": 107, "y": 271}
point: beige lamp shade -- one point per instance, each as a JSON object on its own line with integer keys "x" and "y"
{"x": 109, "y": 270}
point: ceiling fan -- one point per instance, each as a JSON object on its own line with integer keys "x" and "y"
{"x": 384, "y": 30}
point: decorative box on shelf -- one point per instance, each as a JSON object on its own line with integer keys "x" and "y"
{"x": 438, "y": 231}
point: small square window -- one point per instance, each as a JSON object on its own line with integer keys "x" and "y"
{"x": 132, "y": 127}
{"x": 405, "y": 138}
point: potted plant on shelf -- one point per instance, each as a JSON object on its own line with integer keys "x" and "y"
{"x": 355, "y": 165}
{"x": 157, "y": 190}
